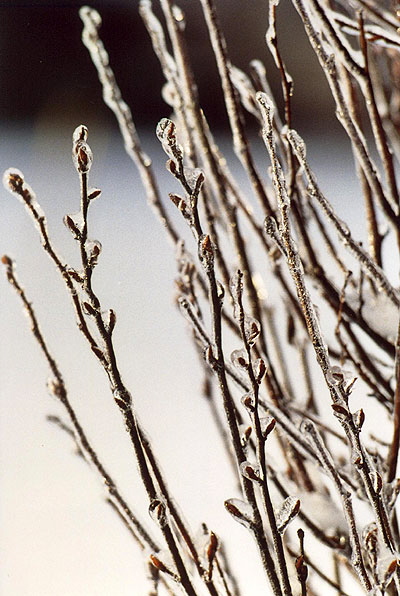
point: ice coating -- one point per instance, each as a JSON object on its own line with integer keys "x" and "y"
{"x": 251, "y": 329}
{"x": 157, "y": 511}
{"x": 82, "y": 155}
{"x": 90, "y": 16}
{"x": 166, "y": 134}
{"x": 80, "y": 134}
{"x": 13, "y": 180}
{"x": 250, "y": 471}
{"x": 93, "y": 249}
{"x": 236, "y": 289}
{"x": 288, "y": 510}
{"x": 259, "y": 368}
{"x": 248, "y": 401}
{"x": 240, "y": 511}
{"x": 239, "y": 358}
{"x": 335, "y": 375}
{"x": 193, "y": 176}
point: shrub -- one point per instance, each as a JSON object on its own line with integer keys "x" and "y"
{"x": 295, "y": 320}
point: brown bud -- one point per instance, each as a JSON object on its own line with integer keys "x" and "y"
{"x": 14, "y": 180}
{"x": 359, "y": 418}
{"x": 71, "y": 225}
{"x": 341, "y": 410}
{"x": 98, "y": 351}
{"x": 269, "y": 428}
{"x": 88, "y": 309}
{"x": 6, "y": 261}
{"x": 212, "y": 547}
{"x": 94, "y": 193}
{"x": 112, "y": 319}
{"x": 161, "y": 566}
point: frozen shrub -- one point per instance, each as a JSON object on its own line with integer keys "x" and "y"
{"x": 304, "y": 502}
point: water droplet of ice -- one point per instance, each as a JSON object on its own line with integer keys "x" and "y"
{"x": 288, "y": 510}
{"x": 250, "y": 471}
{"x": 241, "y": 511}
{"x": 239, "y": 358}
{"x": 157, "y": 512}
{"x": 93, "y": 249}
{"x": 166, "y": 134}
{"x": 251, "y": 329}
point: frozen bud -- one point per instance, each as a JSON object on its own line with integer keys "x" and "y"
{"x": 302, "y": 569}
{"x": 251, "y": 329}
{"x": 194, "y": 178}
{"x": 387, "y": 565}
{"x": 267, "y": 426}
{"x": 210, "y": 358}
{"x": 245, "y": 433}
{"x": 359, "y": 418}
{"x": 206, "y": 252}
{"x": 180, "y": 203}
{"x": 94, "y": 193}
{"x": 377, "y": 481}
{"x": 166, "y": 134}
{"x": 122, "y": 398}
{"x": 157, "y": 512}
{"x": 158, "y": 564}
{"x": 112, "y": 319}
{"x": 7, "y": 261}
{"x": 288, "y": 511}
{"x": 72, "y": 226}
{"x": 171, "y": 167}
{"x": 266, "y": 103}
{"x": 80, "y": 134}
{"x": 93, "y": 250}
{"x": 88, "y": 309}
{"x": 239, "y": 358}
{"x": 75, "y": 275}
{"x": 337, "y": 376}
{"x": 340, "y": 411}
{"x": 248, "y": 401}
{"x": 212, "y": 547}
{"x": 370, "y": 537}
{"x": 259, "y": 370}
{"x": 55, "y": 388}
{"x": 81, "y": 153}
{"x": 82, "y": 158}
{"x": 241, "y": 511}
{"x": 250, "y": 471}
{"x": 13, "y": 180}
{"x": 357, "y": 460}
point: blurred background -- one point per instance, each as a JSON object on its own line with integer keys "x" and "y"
{"x": 58, "y": 535}
{"x": 47, "y": 75}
